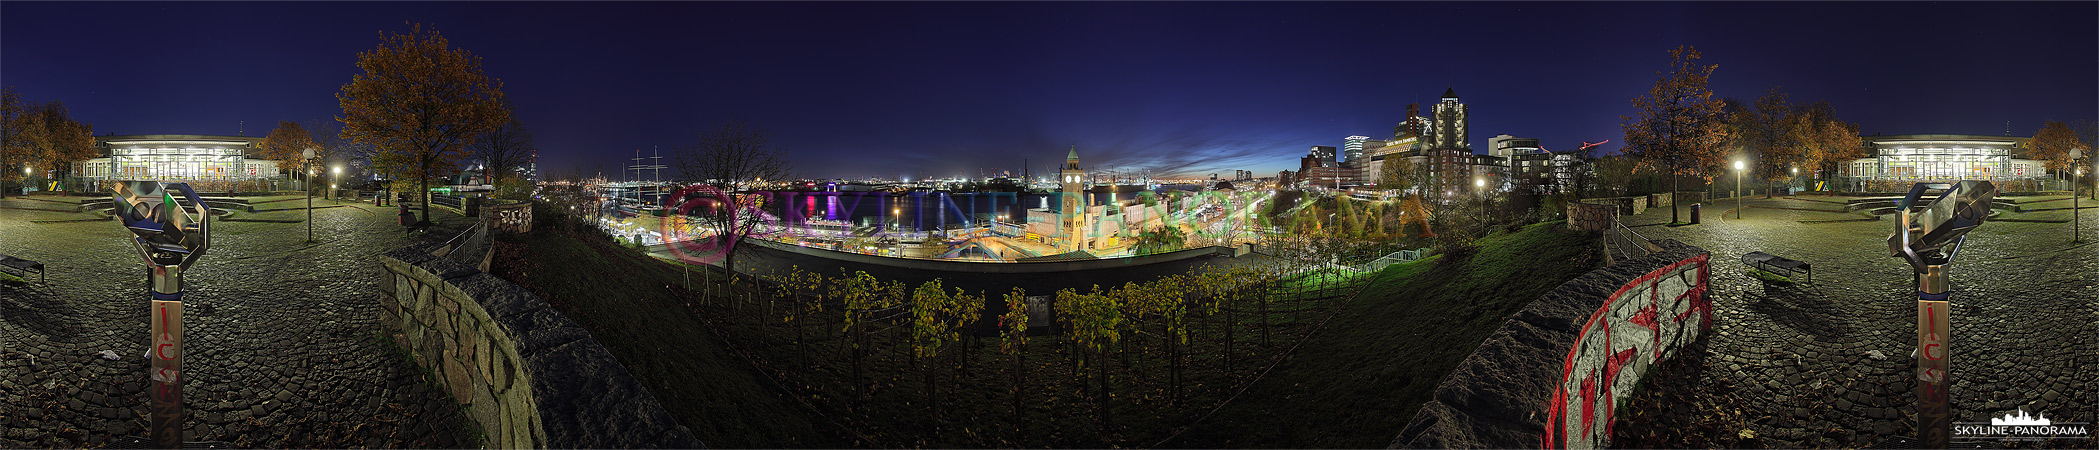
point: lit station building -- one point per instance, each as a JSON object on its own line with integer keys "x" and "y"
{"x": 177, "y": 157}
{"x": 1945, "y": 157}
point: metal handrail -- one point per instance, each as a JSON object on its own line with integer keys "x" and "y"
{"x": 1632, "y": 239}
{"x": 472, "y": 236}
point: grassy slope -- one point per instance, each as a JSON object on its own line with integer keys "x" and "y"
{"x": 628, "y": 302}
{"x": 1357, "y": 382}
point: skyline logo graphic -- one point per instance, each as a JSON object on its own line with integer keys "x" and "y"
{"x": 2019, "y": 426}
{"x": 2020, "y": 419}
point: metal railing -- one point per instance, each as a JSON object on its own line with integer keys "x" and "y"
{"x": 470, "y": 246}
{"x": 1402, "y": 256}
{"x": 1621, "y": 243}
{"x": 445, "y": 200}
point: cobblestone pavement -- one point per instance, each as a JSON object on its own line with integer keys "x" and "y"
{"x": 282, "y": 347}
{"x": 1794, "y": 362}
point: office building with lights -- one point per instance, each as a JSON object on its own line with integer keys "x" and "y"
{"x": 1353, "y": 147}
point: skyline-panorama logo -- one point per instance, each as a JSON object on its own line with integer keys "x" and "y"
{"x": 2019, "y": 426}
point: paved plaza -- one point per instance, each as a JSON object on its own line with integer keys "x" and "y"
{"x": 1828, "y": 364}
{"x": 282, "y": 347}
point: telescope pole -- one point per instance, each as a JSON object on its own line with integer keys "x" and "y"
{"x": 1933, "y": 411}
{"x": 166, "y": 388}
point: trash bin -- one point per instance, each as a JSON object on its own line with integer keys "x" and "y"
{"x": 1694, "y": 211}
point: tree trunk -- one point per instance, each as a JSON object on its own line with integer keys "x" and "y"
{"x": 1105, "y": 419}
{"x": 932, "y": 393}
{"x": 1265, "y": 326}
{"x": 859, "y": 354}
{"x": 1020, "y": 358}
{"x": 801, "y": 322}
{"x": 424, "y": 182}
{"x": 1229, "y": 318}
{"x": 1672, "y": 196}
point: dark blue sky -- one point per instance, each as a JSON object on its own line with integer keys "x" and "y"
{"x": 933, "y": 89}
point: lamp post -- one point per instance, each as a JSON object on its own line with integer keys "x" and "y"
{"x": 335, "y": 175}
{"x": 2076, "y": 220}
{"x": 897, "y": 215}
{"x": 1796, "y": 177}
{"x": 308, "y": 160}
{"x": 1738, "y": 189}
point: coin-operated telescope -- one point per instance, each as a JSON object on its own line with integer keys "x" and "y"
{"x": 170, "y": 238}
{"x": 165, "y": 233}
{"x": 1929, "y": 237}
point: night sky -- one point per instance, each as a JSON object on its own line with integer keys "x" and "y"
{"x": 938, "y": 89}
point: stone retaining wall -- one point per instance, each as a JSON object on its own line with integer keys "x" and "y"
{"x": 1554, "y": 373}
{"x": 1590, "y": 216}
{"x": 530, "y": 377}
{"x": 1626, "y": 205}
{"x": 510, "y": 218}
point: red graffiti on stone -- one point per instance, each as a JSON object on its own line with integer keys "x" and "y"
{"x": 1646, "y": 318}
{"x": 1588, "y": 404}
{"x": 1600, "y": 354}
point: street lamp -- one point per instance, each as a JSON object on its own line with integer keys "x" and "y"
{"x": 897, "y": 214}
{"x": 1738, "y": 189}
{"x": 335, "y": 175}
{"x": 308, "y": 159}
{"x": 2076, "y": 220}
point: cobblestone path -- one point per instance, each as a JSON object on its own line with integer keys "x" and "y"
{"x": 1793, "y": 362}
{"x": 282, "y": 347}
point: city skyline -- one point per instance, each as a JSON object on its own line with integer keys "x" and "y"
{"x": 934, "y": 90}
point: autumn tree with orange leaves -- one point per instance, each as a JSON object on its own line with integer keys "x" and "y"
{"x": 1678, "y": 128}
{"x": 1826, "y": 142}
{"x": 2052, "y": 146}
{"x": 41, "y": 137}
{"x": 1759, "y": 130}
{"x": 287, "y": 145}
{"x": 420, "y": 102}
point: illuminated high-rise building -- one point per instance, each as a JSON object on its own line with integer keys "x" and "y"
{"x": 1447, "y": 125}
{"x": 1352, "y": 149}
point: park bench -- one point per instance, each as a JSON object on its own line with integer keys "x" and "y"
{"x": 1778, "y": 266}
{"x": 24, "y": 266}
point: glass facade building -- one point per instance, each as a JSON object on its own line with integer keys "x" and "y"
{"x": 178, "y": 157}
{"x": 1945, "y": 157}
